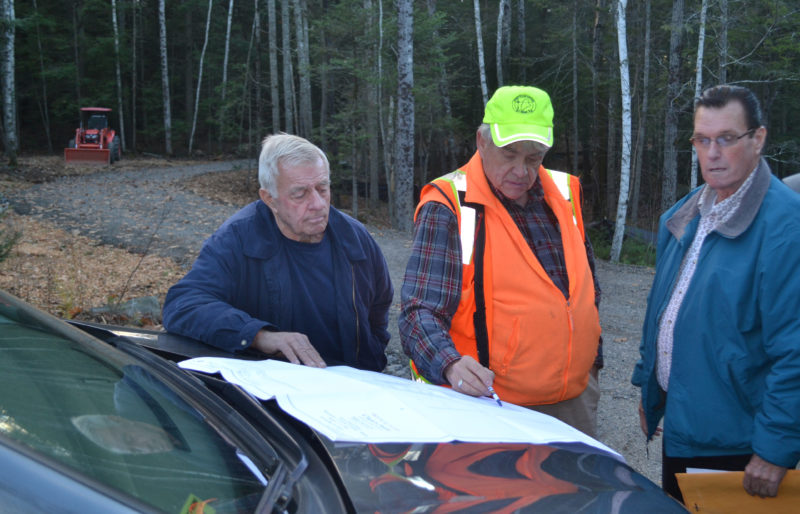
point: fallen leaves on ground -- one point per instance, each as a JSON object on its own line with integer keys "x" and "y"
{"x": 68, "y": 275}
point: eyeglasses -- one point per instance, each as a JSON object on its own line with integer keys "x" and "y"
{"x": 723, "y": 140}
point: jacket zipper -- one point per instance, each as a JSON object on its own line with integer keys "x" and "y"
{"x": 355, "y": 309}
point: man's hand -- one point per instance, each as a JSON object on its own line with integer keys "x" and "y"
{"x": 294, "y": 346}
{"x": 643, "y": 422}
{"x": 762, "y": 478}
{"x": 467, "y": 376}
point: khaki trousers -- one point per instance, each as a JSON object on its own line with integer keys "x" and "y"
{"x": 579, "y": 412}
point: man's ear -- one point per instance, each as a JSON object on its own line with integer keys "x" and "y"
{"x": 761, "y": 137}
{"x": 267, "y": 198}
{"x": 480, "y": 141}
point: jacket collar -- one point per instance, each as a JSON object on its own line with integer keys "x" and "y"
{"x": 265, "y": 239}
{"x": 741, "y": 219}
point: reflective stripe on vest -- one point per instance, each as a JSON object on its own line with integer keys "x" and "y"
{"x": 561, "y": 180}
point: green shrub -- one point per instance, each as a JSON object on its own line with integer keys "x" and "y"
{"x": 634, "y": 251}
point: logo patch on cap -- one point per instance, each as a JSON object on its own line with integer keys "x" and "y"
{"x": 523, "y": 104}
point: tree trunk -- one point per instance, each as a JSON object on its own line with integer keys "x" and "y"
{"x": 611, "y": 147}
{"x": 405, "y": 116}
{"x": 288, "y": 86}
{"x": 625, "y": 160}
{"x": 119, "y": 74}
{"x": 44, "y": 103}
{"x": 187, "y": 65}
{"x": 444, "y": 92}
{"x": 479, "y": 39}
{"x": 162, "y": 23}
{"x": 723, "y": 41}
{"x": 274, "y": 93}
{"x": 256, "y": 124}
{"x": 222, "y": 114}
{"x": 247, "y": 96}
{"x": 575, "y": 133}
{"x": 503, "y": 24}
{"x": 521, "y": 47}
{"x": 641, "y": 134}
{"x": 9, "y": 84}
{"x": 200, "y": 76}
{"x": 698, "y": 79}
{"x": 594, "y": 146}
{"x": 77, "y": 28}
{"x": 372, "y": 86}
{"x": 669, "y": 181}
{"x": 134, "y": 53}
{"x": 303, "y": 69}
{"x": 386, "y": 122}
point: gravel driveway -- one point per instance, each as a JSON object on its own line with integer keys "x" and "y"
{"x": 141, "y": 208}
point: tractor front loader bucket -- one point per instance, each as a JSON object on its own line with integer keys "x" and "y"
{"x": 87, "y": 155}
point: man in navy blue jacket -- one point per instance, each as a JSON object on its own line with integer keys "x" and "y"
{"x": 289, "y": 275}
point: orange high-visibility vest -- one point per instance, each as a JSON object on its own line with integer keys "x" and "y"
{"x": 541, "y": 344}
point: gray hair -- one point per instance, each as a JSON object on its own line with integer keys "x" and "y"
{"x": 486, "y": 133}
{"x": 285, "y": 150}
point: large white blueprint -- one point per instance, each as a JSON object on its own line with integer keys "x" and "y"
{"x": 347, "y": 404}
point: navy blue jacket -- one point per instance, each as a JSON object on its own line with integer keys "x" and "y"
{"x": 238, "y": 286}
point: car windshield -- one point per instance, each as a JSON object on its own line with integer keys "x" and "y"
{"x": 105, "y": 416}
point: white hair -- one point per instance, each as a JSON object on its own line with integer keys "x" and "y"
{"x": 285, "y": 150}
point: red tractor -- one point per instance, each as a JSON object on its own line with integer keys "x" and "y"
{"x": 94, "y": 140}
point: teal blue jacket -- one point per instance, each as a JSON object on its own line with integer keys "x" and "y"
{"x": 734, "y": 385}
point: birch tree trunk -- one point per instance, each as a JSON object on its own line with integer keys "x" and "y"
{"x": 698, "y": 79}
{"x": 288, "y": 86}
{"x": 222, "y": 113}
{"x": 247, "y": 97}
{"x": 200, "y": 76}
{"x": 611, "y": 144}
{"x": 479, "y": 39}
{"x": 9, "y": 84}
{"x": 303, "y": 69}
{"x": 44, "y": 109}
{"x": 625, "y": 160}
{"x": 669, "y": 181}
{"x": 274, "y": 93}
{"x": 641, "y": 130}
{"x": 503, "y": 24}
{"x": 162, "y": 24}
{"x": 405, "y": 116}
{"x": 119, "y": 74}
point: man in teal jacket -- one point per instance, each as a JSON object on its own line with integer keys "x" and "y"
{"x": 720, "y": 349}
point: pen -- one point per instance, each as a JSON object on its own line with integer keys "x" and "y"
{"x": 494, "y": 395}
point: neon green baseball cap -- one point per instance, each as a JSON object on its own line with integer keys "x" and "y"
{"x": 520, "y": 113}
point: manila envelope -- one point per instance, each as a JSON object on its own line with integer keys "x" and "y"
{"x": 722, "y": 493}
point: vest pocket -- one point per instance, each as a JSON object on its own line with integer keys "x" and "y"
{"x": 511, "y": 346}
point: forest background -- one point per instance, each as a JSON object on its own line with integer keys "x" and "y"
{"x": 394, "y": 90}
